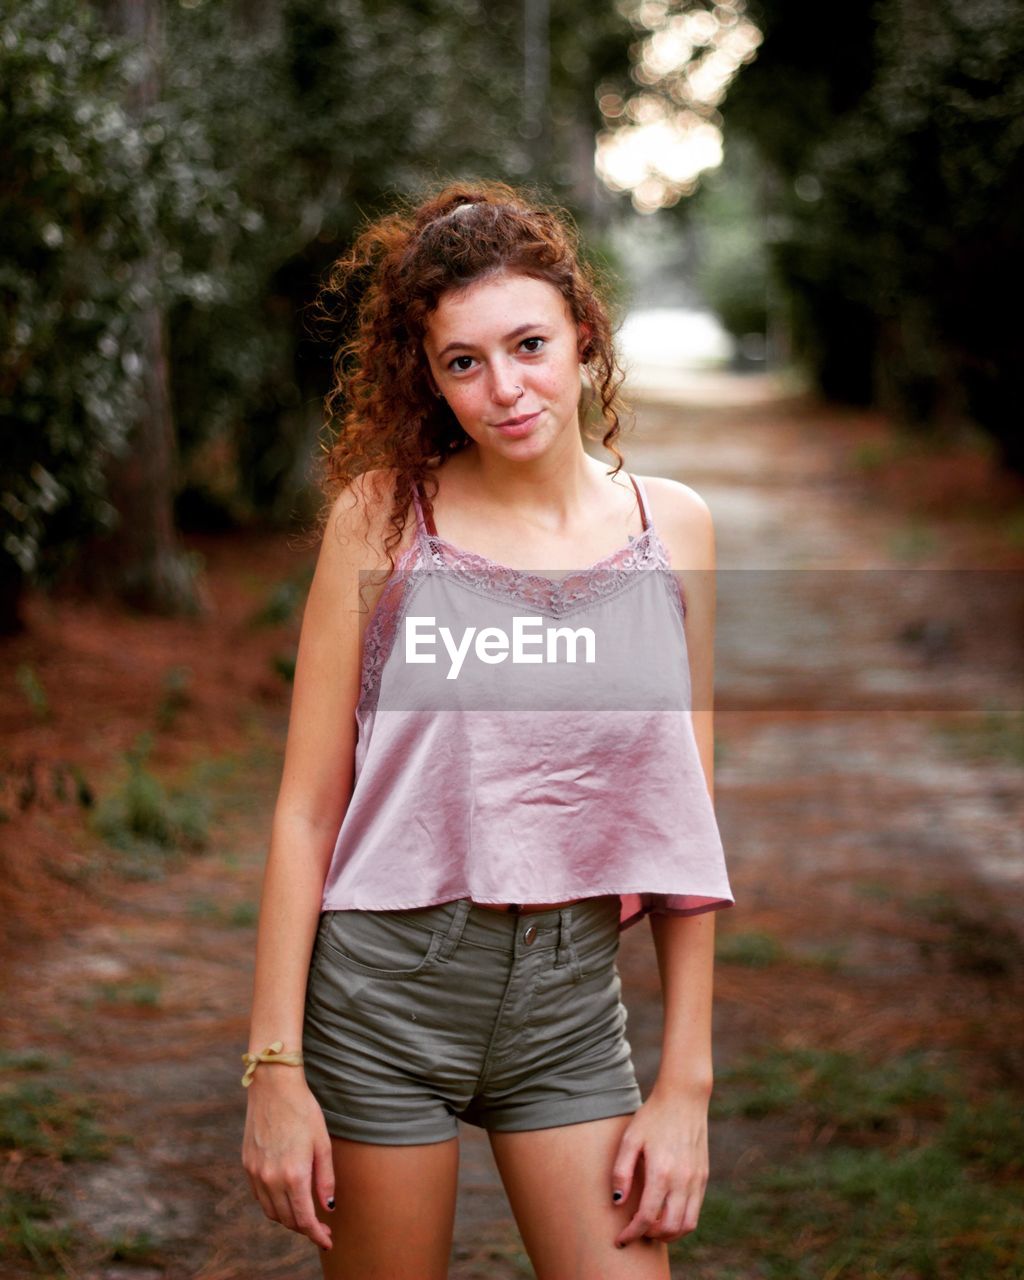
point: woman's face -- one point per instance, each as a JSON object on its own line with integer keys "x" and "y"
{"x": 505, "y": 353}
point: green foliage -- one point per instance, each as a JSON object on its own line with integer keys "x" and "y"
{"x": 832, "y": 1089}
{"x": 271, "y": 131}
{"x": 38, "y": 1119}
{"x": 896, "y": 149}
{"x": 40, "y": 1123}
{"x": 283, "y": 665}
{"x": 732, "y": 271}
{"x": 975, "y": 941}
{"x": 241, "y": 915}
{"x": 27, "y": 680}
{"x": 244, "y": 915}
{"x": 28, "y": 1060}
{"x": 143, "y": 993}
{"x": 996, "y": 734}
{"x": 175, "y": 695}
{"x": 100, "y": 200}
{"x": 755, "y": 950}
{"x": 283, "y": 601}
{"x": 28, "y": 1231}
{"x": 141, "y": 816}
{"x": 321, "y": 110}
{"x": 901, "y": 1175}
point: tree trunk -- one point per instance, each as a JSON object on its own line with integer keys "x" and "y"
{"x": 142, "y": 561}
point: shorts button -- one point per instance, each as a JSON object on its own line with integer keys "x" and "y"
{"x": 529, "y": 933}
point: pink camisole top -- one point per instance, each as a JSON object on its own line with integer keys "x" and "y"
{"x": 528, "y": 737}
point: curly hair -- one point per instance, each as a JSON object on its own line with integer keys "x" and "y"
{"x": 386, "y": 412}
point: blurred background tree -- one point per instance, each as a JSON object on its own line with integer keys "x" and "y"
{"x": 174, "y": 188}
{"x": 869, "y": 196}
{"x": 895, "y": 138}
{"x": 209, "y": 173}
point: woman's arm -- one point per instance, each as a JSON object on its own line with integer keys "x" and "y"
{"x": 685, "y": 945}
{"x": 286, "y": 1148}
{"x": 670, "y": 1129}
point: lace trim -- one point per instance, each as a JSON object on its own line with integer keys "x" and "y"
{"x": 379, "y": 635}
{"x": 556, "y": 597}
{"x": 559, "y": 597}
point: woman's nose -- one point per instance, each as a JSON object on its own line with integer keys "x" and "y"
{"x": 503, "y": 386}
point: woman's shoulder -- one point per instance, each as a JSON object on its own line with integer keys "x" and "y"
{"x": 361, "y": 512}
{"x": 682, "y": 519}
{"x": 366, "y": 493}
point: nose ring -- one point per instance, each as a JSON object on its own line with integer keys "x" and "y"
{"x": 521, "y": 392}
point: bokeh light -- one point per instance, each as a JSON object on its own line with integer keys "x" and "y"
{"x": 660, "y": 139}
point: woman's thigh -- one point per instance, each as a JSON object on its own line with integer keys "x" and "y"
{"x": 394, "y": 1211}
{"x": 558, "y": 1182}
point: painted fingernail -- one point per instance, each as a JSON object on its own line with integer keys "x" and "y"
{"x": 616, "y": 1196}
{"x": 330, "y": 1202}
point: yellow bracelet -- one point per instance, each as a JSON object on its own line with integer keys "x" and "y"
{"x": 272, "y": 1053}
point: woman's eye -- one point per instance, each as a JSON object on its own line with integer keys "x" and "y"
{"x": 533, "y": 345}
{"x": 461, "y": 363}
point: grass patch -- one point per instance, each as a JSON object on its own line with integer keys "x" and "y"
{"x": 944, "y": 1205}
{"x": 974, "y": 941}
{"x": 874, "y": 891}
{"x": 283, "y": 602}
{"x": 24, "y": 1060}
{"x": 27, "y": 680}
{"x": 27, "y": 1231}
{"x": 145, "y": 821}
{"x": 243, "y": 915}
{"x": 142, "y": 993}
{"x": 240, "y": 914}
{"x": 283, "y": 665}
{"x": 995, "y": 735}
{"x": 991, "y": 1137}
{"x": 830, "y": 958}
{"x": 756, "y": 950}
{"x": 175, "y": 695}
{"x": 833, "y": 1091}
{"x": 36, "y": 1119}
{"x": 203, "y": 909}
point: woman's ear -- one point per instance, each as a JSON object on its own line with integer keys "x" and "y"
{"x": 584, "y": 345}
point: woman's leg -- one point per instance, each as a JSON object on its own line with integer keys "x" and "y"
{"x": 394, "y": 1211}
{"x": 558, "y": 1182}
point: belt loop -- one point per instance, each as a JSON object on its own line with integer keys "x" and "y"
{"x": 566, "y": 951}
{"x": 454, "y": 934}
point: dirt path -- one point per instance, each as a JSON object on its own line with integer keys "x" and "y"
{"x": 841, "y": 821}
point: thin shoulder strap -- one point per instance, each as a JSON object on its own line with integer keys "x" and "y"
{"x": 424, "y": 513}
{"x": 641, "y": 496}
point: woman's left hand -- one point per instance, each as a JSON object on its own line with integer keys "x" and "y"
{"x": 670, "y": 1133}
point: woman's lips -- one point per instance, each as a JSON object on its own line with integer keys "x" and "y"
{"x": 515, "y": 427}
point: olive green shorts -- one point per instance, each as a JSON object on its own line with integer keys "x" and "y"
{"x": 417, "y": 1019}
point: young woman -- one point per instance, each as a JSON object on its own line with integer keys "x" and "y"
{"x": 473, "y": 804}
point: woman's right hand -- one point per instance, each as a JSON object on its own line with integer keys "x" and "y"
{"x": 286, "y": 1151}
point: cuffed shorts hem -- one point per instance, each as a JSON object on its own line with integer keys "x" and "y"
{"x": 549, "y": 1115}
{"x": 514, "y": 1119}
{"x": 388, "y": 1134}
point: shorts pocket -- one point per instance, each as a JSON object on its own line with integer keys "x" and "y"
{"x": 597, "y": 952}
{"x": 377, "y": 944}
